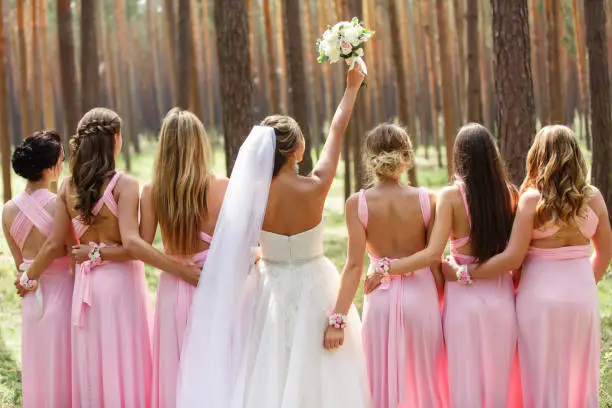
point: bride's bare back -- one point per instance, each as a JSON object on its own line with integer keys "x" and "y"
{"x": 295, "y": 203}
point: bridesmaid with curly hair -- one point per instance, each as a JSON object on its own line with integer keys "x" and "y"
{"x": 559, "y": 215}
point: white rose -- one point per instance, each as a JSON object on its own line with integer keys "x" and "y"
{"x": 346, "y": 47}
{"x": 352, "y": 35}
{"x": 333, "y": 54}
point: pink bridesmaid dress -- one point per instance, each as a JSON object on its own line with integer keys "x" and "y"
{"x": 111, "y": 331}
{"x": 45, "y": 337}
{"x": 558, "y": 320}
{"x": 480, "y": 330}
{"x": 174, "y": 297}
{"x": 402, "y": 335}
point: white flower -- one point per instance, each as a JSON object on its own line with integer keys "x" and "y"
{"x": 359, "y": 52}
{"x": 333, "y": 54}
{"x": 346, "y": 47}
{"x": 352, "y": 34}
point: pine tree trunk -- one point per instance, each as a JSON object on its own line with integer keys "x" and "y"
{"x": 298, "y": 95}
{"x": 35, "y": 93}
{"x": 234, "y": 74}
{"x": 555, "y": 94}
{"x": 47, "y": 80}
{"x": 210, "y": 66}
{"x": 595, "y": 22}
{"x": 90, "y": 94}
{"x": 447, "y": 84}
{"x": 400, "y": 75}
{"x": 460, "y": 15}
{"x": 280, "y": 49}
{"x": 123, "y": 85}
{"x": 24, "y": 108}
{"x": 5, "y": 143}
{"x": 429, "y": 50}
{"x": 473, "y": 61}
{"x": 67, "y": 67}
{"x": 485, "y": 60}
{"x": 313, "y": 91}
{"x": 171, "y": 48}
{"x": 273, "y": 88}
{"x": 513, "y": 84}
{"x": 183, "y": 72}
{"x": 582, "y": 61}
{"x": 153, "y": 31}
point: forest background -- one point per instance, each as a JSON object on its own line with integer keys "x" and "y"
{"x": 512, "y": 65}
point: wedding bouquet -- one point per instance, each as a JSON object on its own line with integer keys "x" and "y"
{"x": 344, "y": 40}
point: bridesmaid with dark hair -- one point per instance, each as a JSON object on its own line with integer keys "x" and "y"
{"x": 27, "y": 221}
{"x": 479, "y": 319}
{"x": 111, "y": 313}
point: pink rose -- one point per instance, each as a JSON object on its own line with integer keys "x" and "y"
{"x": 346, "y": 47}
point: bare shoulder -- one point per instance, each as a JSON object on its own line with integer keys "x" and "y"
{"x": 449, "y": 194}
{"x": 145, "y": 194}
{"x": 529, "y": 198}
{"x": 127, "y": 185}
{"x": 9, "y": 212}
{"x": 219, "y": 183}
{"x": 596, "y": 200}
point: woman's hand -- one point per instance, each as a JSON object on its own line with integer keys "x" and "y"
{"x": 333, "y": 338}
{"x": 372, "y": 281}
{"x": 21, "y": 291}
{"x": 190, "y": 274}
{"x": 80, "y": 253}
{"x": 450, "y": 268}
{"x": 354, "y": 78}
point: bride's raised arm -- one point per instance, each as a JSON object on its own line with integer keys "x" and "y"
{"x": 325, "y": 168}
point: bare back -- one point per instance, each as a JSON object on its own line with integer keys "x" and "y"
{"x": 295, "y": 204}
{"x": 105, "y": 228}
{"x": 461, "y": 225}
{"x": 214, "y": 199}
{"x": 395, "y": 226}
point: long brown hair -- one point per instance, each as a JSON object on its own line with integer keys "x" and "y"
{"x": 180, "y": 181}
{"x": 92, "y": 152}
{"x": 490, "y": 194}
{"x": 557, "y": 169}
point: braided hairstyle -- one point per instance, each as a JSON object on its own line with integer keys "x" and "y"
{"x": 92, "y": 149}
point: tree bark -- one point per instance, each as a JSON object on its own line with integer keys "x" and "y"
{"x": 557, "y": 113}
{"x": 5, "y": 143}
{"x": 24, "y": 108}
{"x": 447, "y": 84}
{"x": 460, "y": 64}
{"x": 298, "y": 95}
{"x": 67, "y": 67}
{"x": 35, "y": 93}
{"x": 429, "y": 51}
{"x": 183, "y": 70}
{"x": 171, "y": 47}
{"x": 601, "y": 172}
{"x": 280, "y": 49}
{"x": 474, "y": 79}
{"x": 400, "y": 75}
{"x": 47, "y": 80}
{"x": 123, "y": 80}
{"x": 513, "y": 84}
{"x": 89, "y": 57}
{"x": 234, "y": 74}
{"x": 582, "y": 69}
{"x": 210, "y": 66}
{"x": 273, "y": 88}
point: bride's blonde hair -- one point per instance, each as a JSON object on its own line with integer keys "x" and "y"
{"x": 557, "y": 169}
{"x": 181, "y": 176}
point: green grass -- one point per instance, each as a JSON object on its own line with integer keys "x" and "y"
{"x": 429, "y": 174}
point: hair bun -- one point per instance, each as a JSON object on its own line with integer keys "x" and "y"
{"x": 36, "y": 154}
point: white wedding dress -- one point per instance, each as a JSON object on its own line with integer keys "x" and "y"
{"x": 286, "y": 365}
{"x": 255, "y": 333}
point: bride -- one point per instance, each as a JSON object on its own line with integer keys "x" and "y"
{"x": 254, "y": 335}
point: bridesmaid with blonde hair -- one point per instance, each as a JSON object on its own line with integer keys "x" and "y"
{"x": 27, "y": 221}
{"x": 402, "y": 332}
{"x": 184, "y": 200}
{"x": 111, "y": 314}
{"x": 559, "y": 215}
